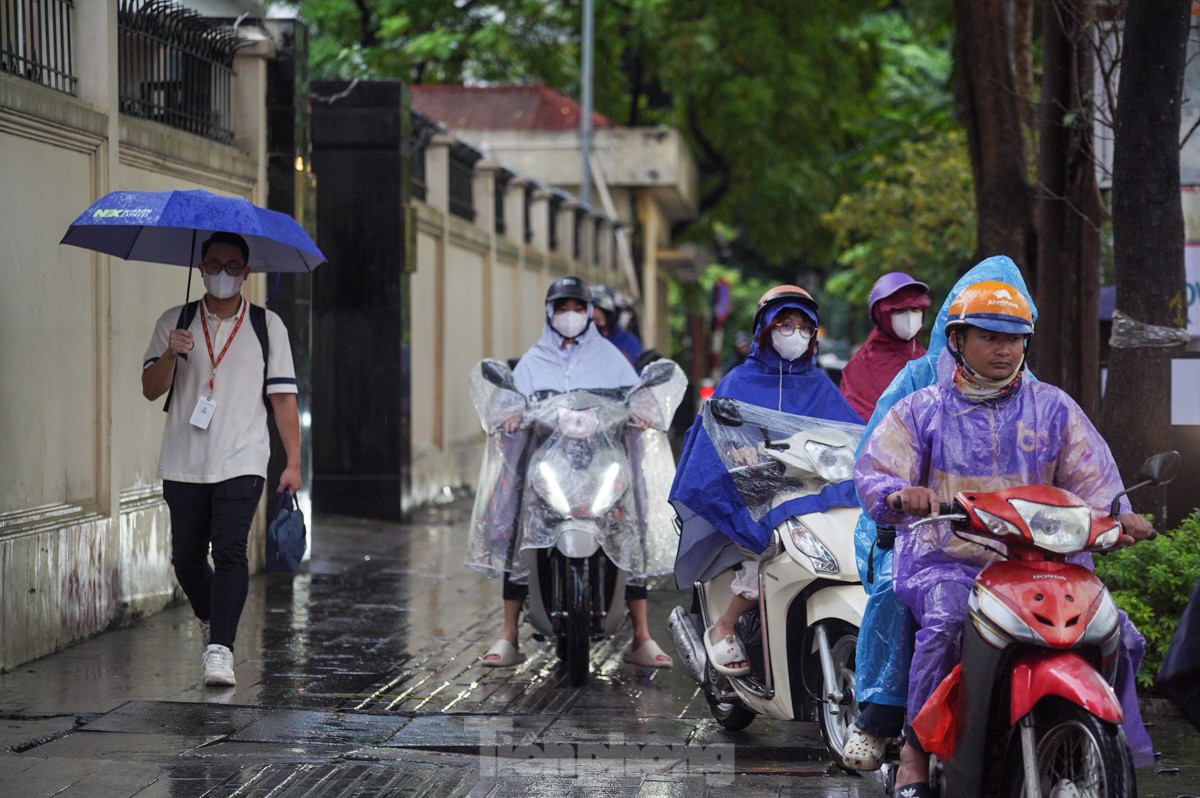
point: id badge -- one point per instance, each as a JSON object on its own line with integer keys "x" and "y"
{"x": 203, "y": 413}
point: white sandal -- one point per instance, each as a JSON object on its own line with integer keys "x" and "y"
{"x": 505, "y": 653}
{"x": 863, "y": 751}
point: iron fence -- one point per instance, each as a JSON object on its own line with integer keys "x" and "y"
{"x": 35, "y": 42}
{"x": 176, "y": 67}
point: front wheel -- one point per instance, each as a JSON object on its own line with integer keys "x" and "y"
{"x": 577, "y": 638}
{"x": 1075, "y": 753}
{"x": 836, "y": 719}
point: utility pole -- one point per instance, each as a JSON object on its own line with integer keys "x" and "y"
{"x": 585, "y": 121}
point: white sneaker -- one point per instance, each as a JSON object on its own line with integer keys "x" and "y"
{"x": 205, "y": 631}
{"x": 218, "y": 666}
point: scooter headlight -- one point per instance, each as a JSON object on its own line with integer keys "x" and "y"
{"x": 545, "y": 482}
{"x": 612, "y": 485}
{"x": 997, "y": 525}
{"x": 1108, "y": 538}
{"x": 823, "y": 561}
{"x": 1055, "y": 528}
{"x": 833, "y": 463}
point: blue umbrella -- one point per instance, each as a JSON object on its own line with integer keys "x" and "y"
{"x": 169, "y": 226}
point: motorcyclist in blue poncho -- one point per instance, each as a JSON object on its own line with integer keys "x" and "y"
{"x": 717, "y": 531}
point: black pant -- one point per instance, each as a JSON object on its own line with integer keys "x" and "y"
{"x": 217, "y": 515}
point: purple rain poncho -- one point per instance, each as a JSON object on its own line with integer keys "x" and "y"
{"x": 939, "y": 438}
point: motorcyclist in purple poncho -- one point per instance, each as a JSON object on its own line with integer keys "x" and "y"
{"x": 981, "y": 427}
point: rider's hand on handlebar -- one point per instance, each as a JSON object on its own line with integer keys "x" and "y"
{"x": 512, "y": 423}
{"x": 914, "y": 500}
{"x": 745, "y": 455}
{"x": 1134, "y": 528}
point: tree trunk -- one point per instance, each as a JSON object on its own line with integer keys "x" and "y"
{"x": 1066, "y": 348}
{"x": 1147, "y": 234}
{"x": 992, "y": 113}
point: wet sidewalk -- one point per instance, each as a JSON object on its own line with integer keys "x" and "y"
{"x": 360, "y": 676}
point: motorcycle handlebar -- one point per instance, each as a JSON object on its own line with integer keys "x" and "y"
{"x": 944, "y": 508}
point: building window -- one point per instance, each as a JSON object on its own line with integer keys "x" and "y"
{"x": 176, "y": 67}
{"x": 462, "y": 181}
{"x": 529, "y": 189}
{"x": 35, "y": 42}
{"x": 423, "y": 129}
{"x": 499, "y": 190}
{"x": 555, "y": 206}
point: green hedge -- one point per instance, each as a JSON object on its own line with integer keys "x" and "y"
{"x": 1152, "y": 582}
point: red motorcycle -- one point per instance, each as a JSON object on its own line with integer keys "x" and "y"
{"x": 1032, "y": 711}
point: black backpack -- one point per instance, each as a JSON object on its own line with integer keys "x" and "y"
{"x": 258, "y": 320}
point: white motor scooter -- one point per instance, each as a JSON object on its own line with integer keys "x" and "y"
{"x": 589, "y": 498}
{"x": 801, "y": 638}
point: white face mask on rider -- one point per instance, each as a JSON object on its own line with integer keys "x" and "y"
{"x": 221, "y": 285}
{"x": 569, "y": 323}
{"x": 791, "y": 346}
{"x": 907, "y": 323}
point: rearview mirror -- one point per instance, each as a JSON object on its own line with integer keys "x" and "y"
{"x": 657, "y": 373}
{"x": 725, "y": 411}
{"x": 1160, "y": 468}
{"x": 496, "y": 373}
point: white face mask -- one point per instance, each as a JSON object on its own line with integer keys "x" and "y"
{"x": 569, "y": 323}
{"x": 221, "y": 285}
{"x": 907, "y": 323}
{"x": 791, "y": 346}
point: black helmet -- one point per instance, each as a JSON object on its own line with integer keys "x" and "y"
{"x": 569, "y": 287}
{"x": 604, "y": 298}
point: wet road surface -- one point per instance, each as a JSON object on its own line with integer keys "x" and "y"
{"x": 360, "y": 676}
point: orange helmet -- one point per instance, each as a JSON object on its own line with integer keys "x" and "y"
{"x": 784, "y": 296}
{"x": 991, "y": 305}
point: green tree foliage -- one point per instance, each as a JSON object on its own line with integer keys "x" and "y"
{"x": 775, "y": 99}
{"x": 1152, "y": 581}
{"x": 915, "y": 215}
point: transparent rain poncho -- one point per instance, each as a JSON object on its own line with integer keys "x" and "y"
{"x": 597, "y": 460}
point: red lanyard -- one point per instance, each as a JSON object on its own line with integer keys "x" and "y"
{"x": 216, "y": 361}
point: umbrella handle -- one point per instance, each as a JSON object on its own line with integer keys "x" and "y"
{"x": 187, "y": 295}
{"x": 179, "y": 325}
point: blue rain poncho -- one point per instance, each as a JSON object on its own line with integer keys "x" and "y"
{"x": 714, "y": 519}
{"x": 942, "y": 439}
{"x": 885, "y": 639}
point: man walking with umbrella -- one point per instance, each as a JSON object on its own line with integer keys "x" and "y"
{"x": 220, "y": 371}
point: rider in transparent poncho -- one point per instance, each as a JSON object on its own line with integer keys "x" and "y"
{"x": 570, "y": 355}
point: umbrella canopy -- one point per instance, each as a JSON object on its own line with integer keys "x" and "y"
{"x": 170, "y": 226}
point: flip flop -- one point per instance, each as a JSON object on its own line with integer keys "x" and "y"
{"x": 506, "y": 655}
{"x": 649, "y": 655}
{"x": 722, "y": 653}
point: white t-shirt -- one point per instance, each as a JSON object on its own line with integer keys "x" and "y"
{"x": 236, "y": 442}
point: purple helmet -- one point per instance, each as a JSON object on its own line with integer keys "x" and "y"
{"x": 889, "y": 284}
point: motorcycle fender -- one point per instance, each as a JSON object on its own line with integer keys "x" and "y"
{"x": 577, "y": 543}
{"x": 841, "y": 602}
{"x": 1064, "y": 674}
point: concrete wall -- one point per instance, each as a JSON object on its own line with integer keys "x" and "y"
{"x": 84, "y": 540}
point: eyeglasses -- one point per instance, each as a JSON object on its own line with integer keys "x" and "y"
{"x": 232, "y": 268}
{"x": 787, "y": 328}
